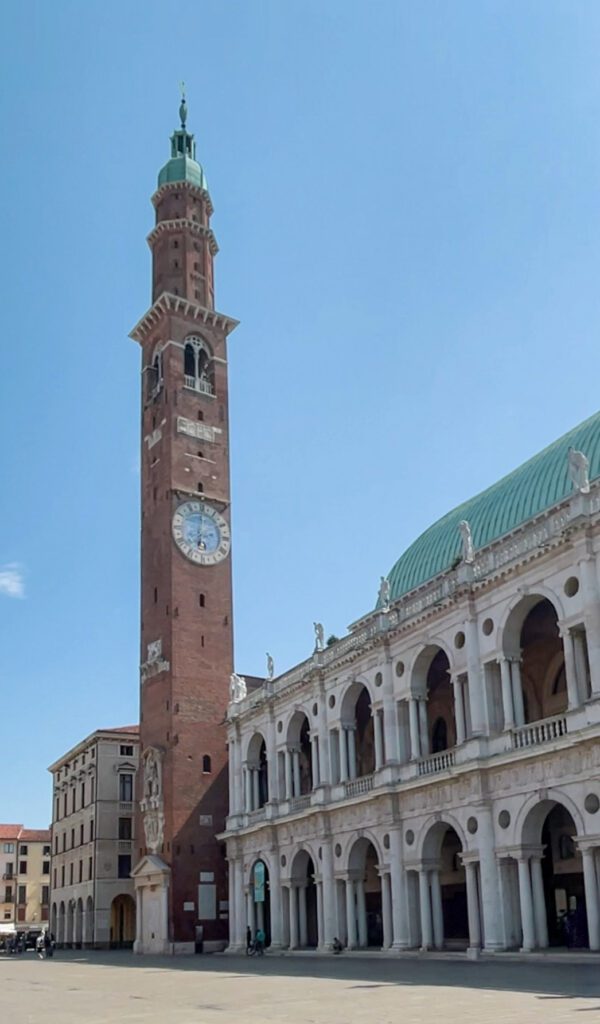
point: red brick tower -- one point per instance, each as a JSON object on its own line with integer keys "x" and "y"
{"x": 186, "y": 603}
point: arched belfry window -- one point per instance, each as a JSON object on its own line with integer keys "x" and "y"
{"x": 198, "y": 365}
{"x": 155, "y": 374}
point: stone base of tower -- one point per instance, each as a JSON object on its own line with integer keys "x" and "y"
{"x": 152, "y": 878}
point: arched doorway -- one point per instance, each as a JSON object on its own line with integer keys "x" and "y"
{"x": 443, "y": 908}
{"x": 260, "y": 901}
{"x": 299, "y": 769}
{"x": 304, "y": 929}
{"x": 555, "y": 873}
{"x": 434, "y": 728}
{"x": 89, "y": 922}
{"x": 365, "y": 903}
{"x": 122, "y": 922}
{"x": 258, "y": 768}
{"x": 357, "y": 737}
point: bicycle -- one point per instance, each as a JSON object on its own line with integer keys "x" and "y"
{"x": 255, "y": 949}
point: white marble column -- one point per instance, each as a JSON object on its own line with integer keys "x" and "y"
{"x": 386, "y": 910}
{"x": 425, "y": 905}
{"x": 590, "y": 881}
{"x": 255, "y": 789}
{"x": 475, "y": 678}
{"x": 491, "y": 915}
{"x": 343, "y": 753}
{"x": 399, "y": 895}
{"x": 473, "y": 906}
{"x": 378, "y": 732}
{"x": 302, "y": 916}
{"x": 296, "y": 770}
{"x": 361, "y": 913}
{"x": 288, "y": 774}
{"x": 539, "y": 903}
{"x": 526, "y": 900}
{"x": 570, "y": 672}
{"x": 250, "y": 915}
{"x": 293, "y": 916}
{"x": 248, "y": 780}
{"x": 329, "y": 896}
{"x": 581, "y": 670}
{"x": 424, "y": 727}
{"x": 352, "y": 752}
{"x": 415, "y": 737}
{"x": 275, "y": 901}
{"x": 314, "y": 754}
{"x": 390, "y": 716}
{"x": 272, "y": 782}
{"x": 320, "y": 928}
{"x": 324, "y": 743}
{"x": 350, "y": 914}
{"x": 591, "y": 597}
{"x": 459, "y": 709}
{"x": 231, "y": 775}
{"x": 507, "y": 697}
{"x": 517, "y": 691}
{"x": 436, "y": 909}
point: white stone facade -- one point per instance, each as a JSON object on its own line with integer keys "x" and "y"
{"x": 487, "y": 842}
{"x": 93, "y": 841}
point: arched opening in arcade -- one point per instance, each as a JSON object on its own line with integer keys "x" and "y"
{"x": 299, "y": 762}
{"x": 364, "y": 904}
{"x": 538, "y": 681}
{"x": 357, "y": 736}
{"x": 258, "y": 782}
{"x": 122, "y": 922}
{"x": 431, "y": 683}
{"x": 259, "y": 901}
{"x": 552, "y": 891}
{"x": 61, "y": 925}
{"x": 54, "y": 921}
{"x": 303, "y": 916}
{"x": 443, "y": 891}
{"x": 70, "y": 925}
{"x": 79, "y": 923}
{"x": 89, "y": 922}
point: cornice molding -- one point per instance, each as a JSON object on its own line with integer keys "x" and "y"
{"x": 192, "y": 311}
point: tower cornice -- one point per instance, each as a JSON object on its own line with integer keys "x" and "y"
{"x": 177, "y": 186}
{"x": 193, "y": 311}
{"x": 184, "y": 223}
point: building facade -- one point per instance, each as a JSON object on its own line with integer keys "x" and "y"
{"x": 186, "y": 603}
{"x": 432, "y": 779}
{"x": 93, "y": 841}
{"x": 25, "y": 878}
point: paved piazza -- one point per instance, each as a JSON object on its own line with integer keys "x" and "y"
{"x": 122, "y": 989}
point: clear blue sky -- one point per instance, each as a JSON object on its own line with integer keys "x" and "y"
{"x": 407, "y": 203}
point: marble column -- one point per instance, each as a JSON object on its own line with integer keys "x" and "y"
{"x": 591, "y": 597}
{"x": 415, "y": 738}
{"x": 314, "y": 753}
{"x": 378, "y": 733}
{"x": 352, "y": 752}
{"x": 343, "y": 753}
{"x": 507, "y": 697}
{"x": 296, "y": 770}
{"x": 329, "y": 896}
{"x": 255, "y": 789}
{"x": 320, "y": 928}
{"x": 324, "y": 744}
{"x": 570, "y": 672}
{"x": 232, "y": 761}
{"x": 436, "y": 909}
{"x": 399, "y": 894}
{"x": 581, "y": 669}
{"x": 473, "y": 906}
{"x": 248, "y": 779}
{"x": 475, "y": 677}
{"x": 350, "y": 914}
{"x": 275, "y": 901}
{"x": 459, "y": 709}
{"x": 390, "y": 717}
{"x": 250, "y": 908}
{"x": 539, "y": 903}
{"x": 293, "y": 916}
{"x": 526, "y": 900}
{"x": 425, "y": 905}
{"x": 517, "y": 691}
{"x": 590, "y": 881}
{"x": 386, "y": 910}
{"x": 302, "y": 916}
{"x": 424, "y": 727}
{"x": 272, "y": 787}
{"x": 288, "y": 774}
{"x": 361, "y": 908}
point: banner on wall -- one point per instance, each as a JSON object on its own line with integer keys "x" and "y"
{"x": 259, "y": 882}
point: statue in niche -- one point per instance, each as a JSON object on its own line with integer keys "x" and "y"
{"x": 152, "y": 801}
{"x": 468, "y": 554}
{"x": 319, "y": 636}
{"x": 237, "y": 688}
{"x": 270, "y": 666}
{"x": 579, "y": 471}
{"x": 152, "y": 778}
{"x": 384, "y": 593}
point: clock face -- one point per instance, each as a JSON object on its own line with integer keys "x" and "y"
{"x": 201, "y": 533}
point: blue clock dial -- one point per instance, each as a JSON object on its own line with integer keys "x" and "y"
{"x": 201, "y": 533}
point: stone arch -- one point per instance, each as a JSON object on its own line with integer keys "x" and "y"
{"x": 259, "y": 905}
{"x": 298, "y": 742}
{"x": 257, "y": 765}
{"x": 357, "y": 755}
{"x": 430, "y": 679}
{"x": 417, "y": 672}
{"x": 356, "y": 842}
{"x": 443, "y": 911}
{"x": 364, "y": 909}
{"x": 532, "y": 813}
{"x": 350, "y": 695}
{"x": 432, "y": 832}
{"x": 122, "y": 921}
{"x": 509, "y": 630}
{"x": 302, "y": 900}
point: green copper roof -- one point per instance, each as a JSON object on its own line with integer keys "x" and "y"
{"x": 526, "y": 492}
{"x": 183, "y": 165}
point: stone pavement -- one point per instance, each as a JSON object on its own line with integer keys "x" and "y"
{"x": 118, "y": 988}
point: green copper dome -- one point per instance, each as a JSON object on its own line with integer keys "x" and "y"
{"x": 183, "y": 165}
{"x": 526, "y": 492}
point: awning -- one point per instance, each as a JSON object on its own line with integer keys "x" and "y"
{"x": 7, "y": 929}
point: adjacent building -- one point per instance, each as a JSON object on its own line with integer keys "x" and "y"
{"x": 93, "y": 840}
{"x": 432, "y": 779}
{"x": 24, "y": 878}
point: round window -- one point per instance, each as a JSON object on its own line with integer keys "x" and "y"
{"x": 378, "y": 679}
{"x": 399, "y": 668}
{"x": 459, "y": 640}
{"x": 571, "y": 586}
{"x": 488, "y": 626}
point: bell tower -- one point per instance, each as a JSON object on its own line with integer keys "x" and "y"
{"x": 186, "y": 595}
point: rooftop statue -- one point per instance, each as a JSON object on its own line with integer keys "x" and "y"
{"x": 468, "y": 553}
{"x": 579, "y": 471}
{"x": 237, "y": 688}
{"x": 384, "y": 593}
{"x": 270, "y": 666}
{"x": 319, "y": 636}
